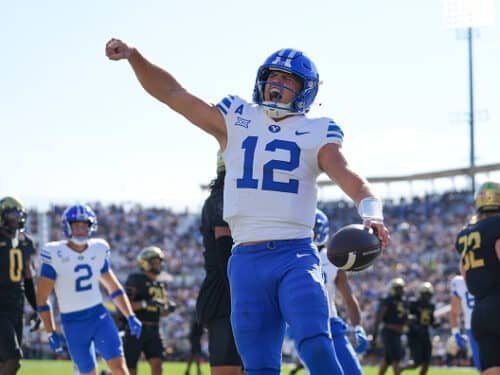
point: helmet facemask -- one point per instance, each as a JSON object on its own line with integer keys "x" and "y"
{"x": 146, "y": 257}
{"x": 12, "y": 215}
{"x": 300, "y": 66}
{"x": 79, "y": 213}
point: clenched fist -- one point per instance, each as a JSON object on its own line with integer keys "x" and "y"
{"x": 117, "y": 50}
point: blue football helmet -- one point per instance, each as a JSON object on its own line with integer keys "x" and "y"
{"x": 321, "y": 229}
{"x": 79, "y": 213}
{"x": 290, "y": 61}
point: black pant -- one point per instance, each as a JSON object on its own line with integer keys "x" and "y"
{"x": 485, "y": 325}
{"x": 221, "y": 344}
{"x": 11, "y": 335}
{"x": 149, "y": 343}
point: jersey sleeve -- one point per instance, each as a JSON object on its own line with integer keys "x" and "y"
{"x": 334, "y": 133}
{"x": 47, "y": 265}
{"x": 133, "y": 287}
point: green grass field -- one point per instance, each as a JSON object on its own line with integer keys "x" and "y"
{"x": 32, "y": 367}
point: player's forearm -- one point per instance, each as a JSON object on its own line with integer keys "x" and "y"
{"x": 29, "y": 292}
{"x": 48, "y": 321}
{"x": 123, "y": 304}
{"x": 354, "y": 313}
{"x": 156, "y": 81}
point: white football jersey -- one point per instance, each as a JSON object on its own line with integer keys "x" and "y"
{"x": 467, "y": 300}
{"x": 271, "y": 170}
{"x": 77, "y": 274}
{"x": 329, "y": 276}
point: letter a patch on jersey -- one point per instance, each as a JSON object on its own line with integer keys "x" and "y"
{"x": 239, "y": 110}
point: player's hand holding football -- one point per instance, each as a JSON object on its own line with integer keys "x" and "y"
{"x": 380, "y": 231}
{"x": 117, "y": 50}
{"x": 135, "y": 326}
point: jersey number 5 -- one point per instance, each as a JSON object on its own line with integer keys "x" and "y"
{"x": 268, "y": 183}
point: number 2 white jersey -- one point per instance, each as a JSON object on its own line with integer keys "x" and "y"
{"x": 459, "y": 289}
{"x": 329, "y": 276}
{"x": 271, "y": 170}
{"x": 77, "y": 274}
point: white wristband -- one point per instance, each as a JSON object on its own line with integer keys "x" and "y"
{"x": 455, "y": 330}
{"x": 370, "y": 208}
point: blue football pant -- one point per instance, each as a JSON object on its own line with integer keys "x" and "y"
{"x": 84, "y": 337}
{"x": 273, "y": 283}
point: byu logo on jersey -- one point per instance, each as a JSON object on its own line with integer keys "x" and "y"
{"x": 274, "y": 128}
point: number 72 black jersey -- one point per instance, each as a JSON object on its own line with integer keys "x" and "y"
{"x": 476, "y": 246}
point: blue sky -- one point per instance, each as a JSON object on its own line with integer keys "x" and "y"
{"x": 77, "y": 127}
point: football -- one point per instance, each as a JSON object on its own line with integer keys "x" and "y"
{"x": 353, "y": 248}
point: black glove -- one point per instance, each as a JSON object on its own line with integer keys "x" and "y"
{"x": 35, "y": 322}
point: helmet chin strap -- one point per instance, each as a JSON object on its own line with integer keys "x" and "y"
{"x": 278, "y": 113}
{"x": 80, "y": 241}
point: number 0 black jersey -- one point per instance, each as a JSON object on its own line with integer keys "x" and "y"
{"x": 140, "y": 288}
{"x": 476, "y": 246}
{"x": 13, "y": 264}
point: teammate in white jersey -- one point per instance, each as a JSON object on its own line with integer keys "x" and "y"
{"x": 74, "y": 269}
{"x": 273, "y": 155}
{"x": 337, "y": 279}
{"x": 462, "y": 302}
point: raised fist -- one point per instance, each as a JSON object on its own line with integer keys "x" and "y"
{"x": 117, "y": 50}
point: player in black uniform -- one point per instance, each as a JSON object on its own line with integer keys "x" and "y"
{"x": 195, "y": 333}
{"x": 148, "y": 298}
{"x": 421, "y": 319}
{"x": 479, "y": 248}
{"x": 16, "y": 251}
{"x": 214, "y": 305}
{"x": 393, "y": 313}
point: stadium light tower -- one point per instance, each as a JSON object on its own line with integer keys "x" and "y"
{"x": 467, "y": 15}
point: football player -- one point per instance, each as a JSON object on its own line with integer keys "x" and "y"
{"x": 273, "y": 154}
{"x": 421, "y": 319}
{"x": 462, "y": 302}
{"x": 148, "y": 297}
{"x": 195, "y": 333}
{"x": 393, "y": 313}
{"x": 74, "y": 268}
{"x": 336, "y": 279}
{"x": 479, "y": 247}
{"x": 16, "y": 282}
{"x": 213, "y": 304}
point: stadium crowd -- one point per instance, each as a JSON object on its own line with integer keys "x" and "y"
{"x": 423, "y": 234}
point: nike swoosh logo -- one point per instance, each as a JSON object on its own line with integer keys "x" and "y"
{"x": 302, "y": 255}
{"x": 102, "y": 316}
{"x": 300, "y": 133}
